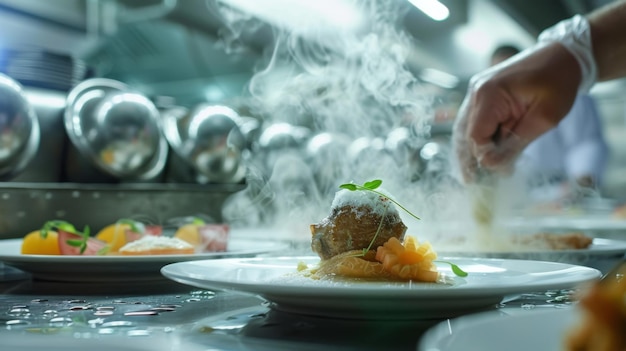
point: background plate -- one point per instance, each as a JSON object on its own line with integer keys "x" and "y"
{"x": 119, "y": 268}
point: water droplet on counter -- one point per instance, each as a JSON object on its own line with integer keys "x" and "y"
{"x": 193, "y": 299}
{"x": 528, "y": 306}
{"x": 60, "y": 321}
{"x": 103, "y": 313}
{"x": 106, "y": 331}
{"x": 118, "y": 324}
{"x": 38, "y": 300}
{"x": 162, "y": 309}
{"x": 21, "y": 312}
{"x": 48, "y": 196}
{"x": 80, "y": 308}
{"x": 75, "y": 194}
{"x": 170, "y": 306}
{"x": 141, "y": 313}
{"x": 138, "y": 333}
{"x": 6, "y": 196}
{"x": 105, "y": 308}
{"x": 16, "y": 322}
{"x": 76, "y": 301}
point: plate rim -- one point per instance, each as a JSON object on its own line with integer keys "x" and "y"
{"x": 397, "y": 289}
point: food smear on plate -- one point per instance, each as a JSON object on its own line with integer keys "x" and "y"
{"x": 157, "y": 245}
{"x": 603, "y": 323}
{"x": 364, "y": 237}
{"x": 204, "y": 237}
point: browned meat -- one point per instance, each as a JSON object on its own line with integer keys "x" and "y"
{"x": 353, "y": 228}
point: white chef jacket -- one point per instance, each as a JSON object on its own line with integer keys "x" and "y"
{"x": 575, "y": 148}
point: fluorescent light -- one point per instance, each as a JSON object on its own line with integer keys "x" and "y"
{"x": 440, "y": 78}
{"x": 432, "y": 8}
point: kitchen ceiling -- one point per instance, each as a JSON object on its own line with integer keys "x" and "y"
{"x": 176, "y": 51}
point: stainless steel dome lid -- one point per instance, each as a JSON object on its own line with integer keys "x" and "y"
{"x": 116, "y": 128}
{"x": 19, "y": 128}
{"x": 209, "y": 139}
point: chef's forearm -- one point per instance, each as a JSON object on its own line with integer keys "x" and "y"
{"x": 608, "y": 36}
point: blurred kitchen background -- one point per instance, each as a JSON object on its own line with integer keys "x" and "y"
{"x": 188, "y": 56}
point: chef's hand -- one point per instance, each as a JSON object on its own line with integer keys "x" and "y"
{"x": 510, "y": 105}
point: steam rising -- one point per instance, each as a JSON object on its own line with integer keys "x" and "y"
{"x": 355, "y": 94}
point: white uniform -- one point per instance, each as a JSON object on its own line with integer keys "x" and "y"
{"x": 575, "y": 148}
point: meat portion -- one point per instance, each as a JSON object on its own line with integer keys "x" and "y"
{"x": 353, "y": 228}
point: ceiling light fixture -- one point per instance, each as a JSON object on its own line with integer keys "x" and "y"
{"x": 432, "y": 8}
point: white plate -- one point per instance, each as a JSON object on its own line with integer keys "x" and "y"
{"x": 589, "y": 223}
{"x": 93, "y": 342}
{"x": 601, "y": 254}
{"x": 119, "y": 268}
{"x": 488, "y": 282}
{"x": 535, "y": 330}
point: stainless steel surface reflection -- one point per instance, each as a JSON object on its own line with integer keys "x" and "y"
{"x": 118, "y": 130}
{"x": 19, "y": 129}
{"x": 209, "y": 139}
{"x": 142, "y": 313}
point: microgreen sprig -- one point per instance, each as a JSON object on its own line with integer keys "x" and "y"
{"x": 372, "y": 185}
{"x": 455, "y": 269}
{"x": 67, "y": 227}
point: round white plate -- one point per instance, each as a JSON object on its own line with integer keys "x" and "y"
{"x": 118, "y": 268}
{"x": 588, "y": 223}
{"x": 601, "y": 254}
{"x": 274, "y": 279}
{"x": 534, "y": 330}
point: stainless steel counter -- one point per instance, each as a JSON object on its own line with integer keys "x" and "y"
{"x": 180, "y": 317}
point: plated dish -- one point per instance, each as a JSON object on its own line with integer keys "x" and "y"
{"x": 601, "y": 254}
{"x": 118, "y": 268}
{"x": 535, "y": 330}
{"x": 274, "y": 279}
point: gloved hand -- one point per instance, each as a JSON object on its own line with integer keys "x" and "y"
{"x": 513, "y": 103}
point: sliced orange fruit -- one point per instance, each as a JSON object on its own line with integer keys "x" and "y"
{"x": 34, "y": 244}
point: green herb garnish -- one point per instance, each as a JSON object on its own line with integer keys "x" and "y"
{"x": 455, "y": 269}
{"x": 67, "y": 227}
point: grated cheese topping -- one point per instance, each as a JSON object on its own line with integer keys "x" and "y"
{"x": 377, "y": 203}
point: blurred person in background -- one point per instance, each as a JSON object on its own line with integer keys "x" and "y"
{"x": 573, "y": 154}
{"x": 511, "y": 104}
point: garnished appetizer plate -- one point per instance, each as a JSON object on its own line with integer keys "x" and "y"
{"x": 534, "y": 330}
{"x": 120, "y": 268}
{"x": 276, "y": 279}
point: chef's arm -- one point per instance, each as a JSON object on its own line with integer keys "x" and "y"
{"x": 608, "y": 36}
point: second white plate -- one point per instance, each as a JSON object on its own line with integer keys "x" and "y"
{"x": 535, "y": 330}
{"x": 275, "y": 280}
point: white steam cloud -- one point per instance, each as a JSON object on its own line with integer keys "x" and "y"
{"x": 341, "y": 105}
